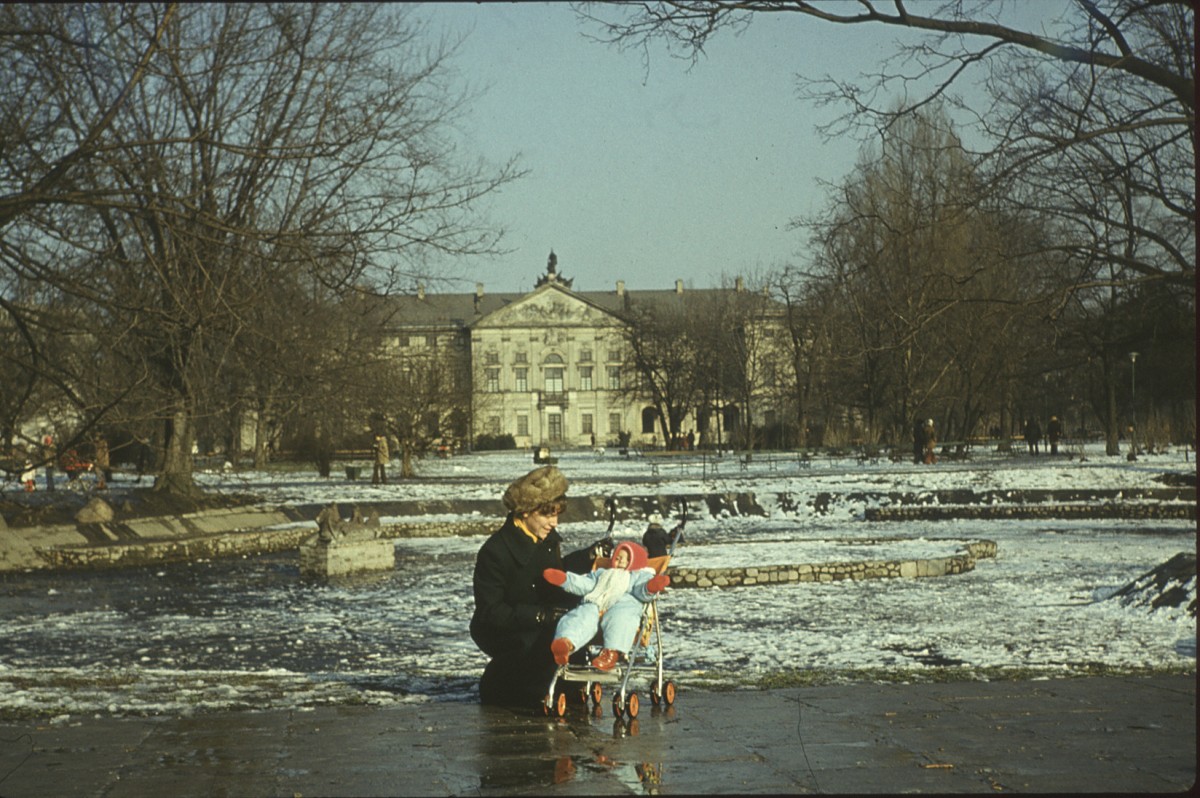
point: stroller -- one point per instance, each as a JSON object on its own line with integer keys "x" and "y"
{"x": 645, "y": 657}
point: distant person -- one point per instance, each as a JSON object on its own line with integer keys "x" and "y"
{"x": 1053, "y": 433}
{"x": 1033, "y": 435}
{"x": 29, "y": 477}
{"x": 918, "y": 441}
{"x": 658, "y": 540}
{"x": 930, "y": 455}
{"x": 102, "y": 463}
{"x": 382, "y": 456}
{"x": 49, "y": 455}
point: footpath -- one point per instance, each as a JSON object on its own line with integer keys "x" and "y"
{"x": 1080, "y": 735}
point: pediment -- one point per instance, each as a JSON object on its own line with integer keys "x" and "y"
{"x": 549, "y": 306}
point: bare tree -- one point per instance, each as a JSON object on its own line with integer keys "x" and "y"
{"x": 1115, "y": 78}
{"x": 264, "y": 145}
{"x": 1088, "y": 134}
{"x": 664, "y": 364}
{"x": 420, "y": 400}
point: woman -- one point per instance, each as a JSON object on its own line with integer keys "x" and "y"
{"x": 515, "y": 608}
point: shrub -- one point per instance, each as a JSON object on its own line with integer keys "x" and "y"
{"x": 484, "y": 443}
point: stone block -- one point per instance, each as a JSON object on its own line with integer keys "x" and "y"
{"x": 96, "y": 511}
{"x": 345, "y": 557}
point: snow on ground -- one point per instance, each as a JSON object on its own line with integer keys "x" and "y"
{"x": 249, "y": 633}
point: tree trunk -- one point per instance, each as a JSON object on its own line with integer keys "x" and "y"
{"x": 261, "y": 439}
{"x": 176, "y": 475}
{"x": 1112, "y": 429}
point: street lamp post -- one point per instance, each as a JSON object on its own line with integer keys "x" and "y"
{"x": 1133, "y": 403}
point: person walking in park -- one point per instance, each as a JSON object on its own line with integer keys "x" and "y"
{"x": 1054, "y": 433}
{"x": 1033, "y": 435}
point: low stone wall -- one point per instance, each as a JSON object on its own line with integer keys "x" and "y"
{"x": 188, "y": 549}
{"x": 1033, "y": 512}
{"x": 960, "y": 562}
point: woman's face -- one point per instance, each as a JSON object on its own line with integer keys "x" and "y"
{"x": 541, "y": 523}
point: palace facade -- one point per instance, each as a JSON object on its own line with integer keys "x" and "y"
{"x": 551, "y": 366}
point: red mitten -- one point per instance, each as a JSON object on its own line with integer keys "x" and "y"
{"x": 555, "y": 576}
{"x": 656, "y": 584}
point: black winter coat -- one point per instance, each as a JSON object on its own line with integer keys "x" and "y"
{"x": 514, "y": 604}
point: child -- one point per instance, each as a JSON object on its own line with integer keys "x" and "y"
{"x": 610, "y": 603}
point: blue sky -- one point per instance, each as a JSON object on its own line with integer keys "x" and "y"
{"x": 649, "y": 176}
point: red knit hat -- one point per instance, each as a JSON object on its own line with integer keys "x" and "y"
{"x": 638, "y": 556}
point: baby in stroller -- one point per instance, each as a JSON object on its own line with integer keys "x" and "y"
{"x": 612, "y": 599}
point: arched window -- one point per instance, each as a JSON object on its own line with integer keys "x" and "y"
{"x": 649, "y": 416}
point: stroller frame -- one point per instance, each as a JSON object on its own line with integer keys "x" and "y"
{"x": 646, "y": 656}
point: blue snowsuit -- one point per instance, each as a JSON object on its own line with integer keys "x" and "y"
{"x": 619, "y": 623}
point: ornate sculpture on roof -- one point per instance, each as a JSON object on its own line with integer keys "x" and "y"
{"x": 552, "y": 275}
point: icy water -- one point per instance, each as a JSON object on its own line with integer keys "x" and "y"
{"x": 250, "y": 632}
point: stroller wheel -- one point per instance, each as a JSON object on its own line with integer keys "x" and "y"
{"x": 560, "y": 704}
{"x": 632, "y": 705}
{"x": 654, "y": 693}
{"x": 618, "y": 706}
{"x": 668, "y": 692}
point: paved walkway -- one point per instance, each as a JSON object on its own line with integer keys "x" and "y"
{"x": 1115, "y": 735}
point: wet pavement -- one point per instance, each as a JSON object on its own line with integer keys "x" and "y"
{"x": 1100, "y": 734}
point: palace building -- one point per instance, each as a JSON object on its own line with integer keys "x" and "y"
{"x": 552, "y": 366}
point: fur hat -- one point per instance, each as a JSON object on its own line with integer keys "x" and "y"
{"x": 538, "y": 488}
{"x": 638, "y": 557}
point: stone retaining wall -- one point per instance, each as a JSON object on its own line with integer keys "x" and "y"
{"x": 1032, "y": 512}
{"x": 960, "y": 562}
{"x": 184, "y": 550}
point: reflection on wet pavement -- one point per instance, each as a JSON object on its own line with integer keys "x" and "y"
{"x": 520, "y": 757}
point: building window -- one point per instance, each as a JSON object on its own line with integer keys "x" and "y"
{"x": 554, "y": 380}
{"x": 585, "y": 356}
{"x": 522, "y": 379}
{"x": 614, "y": 356}
{"x": 522, "y": 357}
{"x": 585, "y": 378}
{"x": 493, "y": 425}
{"x": 522, "y": 425}
{"x": 431, "y": 341}
{"x": 649, "y": 416}
{"x": 614, "y": 423}
{"x": 491, "y": 358}
{"x": 401, "y": 340}
{"x": 585, "y": 421}
{"x": 493, "y": 381}
{"x": 554, "y": 426}
{"x": 614, "y": 378}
